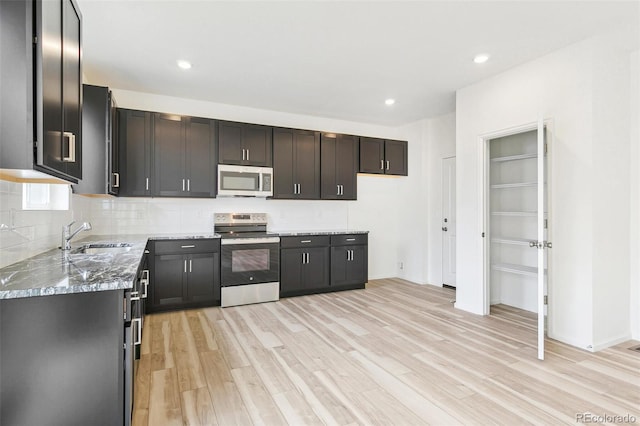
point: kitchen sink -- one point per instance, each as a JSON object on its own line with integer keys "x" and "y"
{"x": 97, "y": 248}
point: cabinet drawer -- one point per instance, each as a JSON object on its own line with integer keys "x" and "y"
{"x": 304, "y": 241}
{"x": 348, "y": 239}
{"x": 187, "y": 246}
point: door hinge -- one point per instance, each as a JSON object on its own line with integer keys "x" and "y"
{"x": 483, "y": 235}
{"x": 35, "y": 39}
{"x": 546, "y": 223}
{"x": 546, "y": 148}
{"x": 546, "y": 300}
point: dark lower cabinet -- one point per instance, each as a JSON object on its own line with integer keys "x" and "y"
{"x": 320, "y": 263}
{"x": 184, "y": 274}
{"x": 349, "y": 265}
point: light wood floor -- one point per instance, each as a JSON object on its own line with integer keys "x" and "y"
{"x": 393, "y": 354}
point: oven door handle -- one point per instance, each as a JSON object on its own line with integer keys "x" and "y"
{"x": 234, "y": 241}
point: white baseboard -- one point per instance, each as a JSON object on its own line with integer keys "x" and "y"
{"x": 612, "y": 342}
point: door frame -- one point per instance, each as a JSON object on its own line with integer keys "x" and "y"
{"x": 485, "y": 217}
{"x": 443, "y": 197}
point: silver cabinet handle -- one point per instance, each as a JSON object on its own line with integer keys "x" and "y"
{"x": 145, "y": 281}
{"x": 190, "y": 269}
{"x": 351, "y": 239}
{"x": 247, "y": 154}
{"x": 303, "y": 258}
{"x": 117, "y": 178}
{"x": 341, "y": 189}
{"x": 183, "y": 184}
{"x": 299, "y": 190}
{"x": 308, "y": 256}
{"x": 147, "y": 184}
{"x": 242, "y": 154}
{"x": 381, "y": 164}
{"x": 338, "y": 189}
{"x": 71, "y": 151}
{"x": 135, "y": 295}
{"x": 138, "y": 338}
{"x": 185, "y": 266}
{"x": 387, "y": 164}
{"x": 189, "y": 246}
{"x": 305, "y": 241}
{"x": 295, "y": 189}
{"x": 189, "y": 185}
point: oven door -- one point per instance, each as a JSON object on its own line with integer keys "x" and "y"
{"x": 250, "y": 261}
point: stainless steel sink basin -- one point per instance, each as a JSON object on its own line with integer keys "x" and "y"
{"x": 98, "y": 248}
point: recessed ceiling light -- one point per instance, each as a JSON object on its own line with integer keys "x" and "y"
{"x": 390, "y": 101}
{"x": 185, "y": 65}
{"x": 481, "y": 59}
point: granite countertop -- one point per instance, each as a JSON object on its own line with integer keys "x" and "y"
{"x": 57, "y": 272}
{"x": 296, "y": 233}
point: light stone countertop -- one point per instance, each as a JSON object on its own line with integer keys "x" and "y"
{"x": 56, "y": 272}
{"x": 296, "y": 233}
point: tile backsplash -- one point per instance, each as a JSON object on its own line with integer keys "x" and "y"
{"x": 27, "y": 233}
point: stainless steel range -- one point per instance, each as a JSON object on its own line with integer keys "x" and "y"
{"x": 250, "y": 259}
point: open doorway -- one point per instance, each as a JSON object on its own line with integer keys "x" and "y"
{"x": 449, "y": 222}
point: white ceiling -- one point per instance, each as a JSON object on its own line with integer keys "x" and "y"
{"x": 329, "y": 58}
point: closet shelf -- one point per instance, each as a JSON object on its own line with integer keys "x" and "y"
{"x": 510, "y": 240}
{"x": 516, "y": 269}
{"x": 514, "y": 185}
{"x": 514, "y": 157}
{"x": 531, "y": 214}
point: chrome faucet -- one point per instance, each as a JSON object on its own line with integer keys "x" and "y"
{"x": 67, "y": 235}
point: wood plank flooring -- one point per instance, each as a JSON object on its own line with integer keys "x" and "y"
{"x": 393, "y": 354}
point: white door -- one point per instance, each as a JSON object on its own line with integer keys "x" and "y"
{"x": 449, "y": 221}
{"x": 542, "y": 245}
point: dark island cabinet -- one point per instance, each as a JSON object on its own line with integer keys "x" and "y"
{"x": 134, "y": 149}
{"x": 184, "y": 274}
{"x": 383, "y": 156}
{"x": 338, "y": 166}
{"x": 304, "y": 265}
{"x": 184, "y": 156}
{"x": 349, "y": 260}
{"x": 296, "y": 164}
{"x": 245, "y": 144}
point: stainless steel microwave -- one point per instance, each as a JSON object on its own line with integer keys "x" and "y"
{"x": 245, "y": 181}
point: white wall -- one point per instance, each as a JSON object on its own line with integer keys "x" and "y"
{"x": 563, "y": 87}
{"x": 634, "y": 198}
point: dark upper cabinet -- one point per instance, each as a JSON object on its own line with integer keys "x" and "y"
{"x": 99, "y": 153}
{"x": 296, "y": 164}
{"x": 184, "y": 156}
{"x": 58, "y": 88}
{"x": 134, "y": 149}
{"x": 244, "y": 144}
{"x": 338, "y": 166}
{"x": 40, "y": 106}
{"x": 382, "y": 156}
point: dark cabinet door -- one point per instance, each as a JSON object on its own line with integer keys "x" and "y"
{"x": 134, "y": 140}
{"x": 296, "y": 164}
{"x": 95, "y": 140}
{"x": 169, "y": 286}
{"x": 201, "y": 157}
{"x": 315, "y": 271}
{"x": 113, "y": 162}
{"x": 201, "y": 283}
{"x": 371, "y": 155}
{"x": 72, "y": 89}
{"x": 395, "y": 153}
{"x": 169, "y": 148}
{"x": 339, "y": 167}
{"x": 349, "y": 265}
{"x": 257, "y": 142}
{"x": 58, "y": 89}
{"x": 291, "y": 262}
{"x": 230, "y": 143}
{"x": 244, "y": 144}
